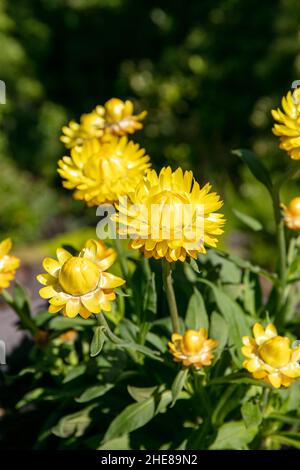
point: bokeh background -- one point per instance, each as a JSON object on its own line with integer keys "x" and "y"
{"x": 208, "y": 72}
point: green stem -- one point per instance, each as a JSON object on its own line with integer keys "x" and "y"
{"x": 281, "y": 243}
{"x": 280, "y": 235}
{"x": 102, "y": 322}
{"x": 168, "y": 286}
{"x": 122, "y": 261}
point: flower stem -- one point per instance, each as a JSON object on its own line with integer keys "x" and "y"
{"x": 281, "y": 244}
{"x": 168, "y": 286}
{"x": 122, "y": 261}
{"x": 280, "y": 235}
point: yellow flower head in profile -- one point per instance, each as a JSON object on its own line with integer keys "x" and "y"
{"x": 270, "y": 357}
{"x": 292, "y": 214}
{"x": 170, "y": 216}
{"x": 8, "y": 264}
{"x": 120, "y": 119}
{"x": 80, "y": 285}
{"x": 116, "y": 117}
{"x": 193, "y": 348}
{"x": 102, "y": 172}
{"x": 287, "y": 127}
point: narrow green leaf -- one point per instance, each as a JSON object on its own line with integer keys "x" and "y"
{"x": 131, "y": 418}
{"x": 94, "y": 392}
{"x": 178, "y": 384}
{"x": 248, "y": 220}
{"x": 31, "y": 396}
{"x": 257, "y": 168}
{"x": 97, "y": 341}
{"x": 218, "y": 331}
{"x": 74, "y": 424}
{"x": 75, "y": 372}
{"x": 119, "y": 443}
{"x": 140, "y": 393}
{"x": 235, "y": 318}
{"x": 286, "y": 440}
{"x": 63, "y": 323}
{"x": 251, "y": 414}
{"x": 196, "y": 315}
{"x": 233, "y": 436}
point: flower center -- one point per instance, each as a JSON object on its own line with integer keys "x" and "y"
{"x": 294, "y": 207}
{"x": 276, "y": 351}
{"x": 192, "y": 342}
{"x": 79, "y": 276}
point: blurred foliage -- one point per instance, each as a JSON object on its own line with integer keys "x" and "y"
{"x": 207, "y": 72}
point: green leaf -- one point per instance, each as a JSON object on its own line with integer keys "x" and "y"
{"x": 287, "y": 439}
{"x": 62, "y": 323}
{"x": 131, "y": 418}
{"x": 178, "y": 384}
{"x": 97, "y": 341}
{"x": 196, "y": 316}
{"x": 74, "y": 424}
{"x": 235, "y": 318}
{"x": 119, "y": 443}
{"x": 75, "y": 372}
{"x": 31, "y": 396}
{"x": 150, "y": 296}
{"x": 233, "y": 435}
{"x": 239, "y": 378}
{"x": 140, "y": 393}
{"x": 251, "y": 414}
{"x": 21, "y": 298}
{"x": 94, "y": 392}
{"x": 248, "y": 220}
{"x": 257, "y": 168}
{"x": 137, "y": 415}
{"x": 218, "y": 331}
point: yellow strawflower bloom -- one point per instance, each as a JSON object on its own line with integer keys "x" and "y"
{"x": 170, "y": 216}
{"x": 8, "y": 264}
{"x": 292, "y": 214}
{"x": 102, "y": 172}
{"x": 79, "y": 284}
{"x": 116, "y": 117}
{"x": 288, "y": 124}
{"x": 193, "y": 348}
{"x": 270, "y": 357}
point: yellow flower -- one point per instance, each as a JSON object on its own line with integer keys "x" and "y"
{"x": 292, "y": 214}
{"x": 8, "y": 264}
{"x": 102, "y": 172}
{"x": 193, "y": 348}
{"x": 120, "y": 119}
{"x": 270, "y": 357}
{"x": 288, "y": 124}
{"x": 170, "y": 216}
{"x": 91, "y": 127}
{"x": 116, "y": 117}
{"x": 79, "y": 284}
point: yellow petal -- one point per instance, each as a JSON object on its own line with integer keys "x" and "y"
{"x": 5, "y": 247}
{"x": 271, "y": 331}
{"x": 109, "y": 281}
{"x": 62, "y": 255}
{"x": 51, "y": 266}
{"x": 46, "y": 279}
{"x": 47, "y": 292}
{"x": 72, "y": 307}
{"x": 275, "y": 380}
{"x": 92, "y": 302}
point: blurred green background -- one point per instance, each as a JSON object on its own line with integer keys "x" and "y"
{"x": 208, "y": 72}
